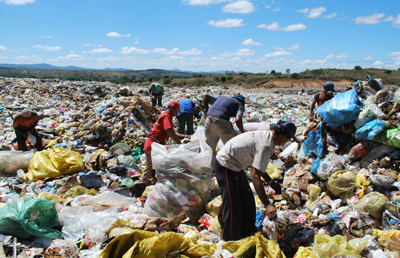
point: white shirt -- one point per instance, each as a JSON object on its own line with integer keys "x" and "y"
{"x": 256, "y": 126}
{"x": 247, "y": 149}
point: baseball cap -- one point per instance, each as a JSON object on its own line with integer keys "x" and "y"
{"x": 288, "y": 128}
{"x": 174, "y": 104}
{"x": 240, "y": 98}
{"x": 330, "y": 86}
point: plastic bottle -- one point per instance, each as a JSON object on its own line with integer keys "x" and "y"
{"x": 182, "y": 200}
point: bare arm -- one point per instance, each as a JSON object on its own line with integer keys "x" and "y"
{"x": 174, "y": 136}
{"x": 205, "y": 102}
{"x": 239, "y": 123}
{"x": 313, "y": 106}
{"x": 256, "y": 179}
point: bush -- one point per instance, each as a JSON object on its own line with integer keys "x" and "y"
{"x": 357, "y": 68}
{"x": 167, "y": 80}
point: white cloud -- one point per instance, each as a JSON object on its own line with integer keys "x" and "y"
{"x": 279, "y": 48}
{"x": 72, "y": 57}
{"x": 316, "y": 12}
{"x": 268, "y": 6}
{"x": 278, "y": 53}
{"x": 18, "y": 2}
{"x": 136, "y": 42}
{"x": 330, "y": 56}
{"x": 3, "y": 57}
{"x": 29, "y": 58}
{"x": 3, "y": 48}
{"x": 240, "y": 52}
{"x": 396, "y": 21}
{"x": 228, "y": 23}
{"x": 368, "y": 58}
{"x": 313, "y": 12}
{"x": 378, "y": 63}
{"x": 115, "y": 34}
{"x": 341, "y": 56}
{"x": 371, "y": 19}
{"x": 295, "y": 27}
{"x": 191, "y": 52}
{"x": 91, "y": 45}
{"x": 305, "y": 10}
{"x": 47, "y": 48}
{"x": 277, "y": 9}
{"x": 46, "y": 37}
{"x": 251, "y": 42}
{"x": 330, "y": 16}
{"x": 204, "y": 2}
{"x": 176, "y": 51}
{"x": 294, "y": 47}
{"x": 395, "y": 53}
{"x": 240, "y": 6}
{"x": 245, "y": 52}
{"x": 274, "y": 26}
{"x": 100, "y": 51}
{"x": 108, "y": 59}
{"x": 133, "y": 50}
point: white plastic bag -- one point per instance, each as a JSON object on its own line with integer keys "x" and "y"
{"x": 369, "y": 113}
{"x": 289, "y": 151}
{"x": 330, "y": 165}
{"x": 11, "y": 161}
{"x": 183, "y": 173}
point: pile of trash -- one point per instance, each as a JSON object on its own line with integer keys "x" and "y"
{"x": 80, "y": 197}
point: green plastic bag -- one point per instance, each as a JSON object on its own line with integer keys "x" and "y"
{"x": 27, "y": 217}
{"x": 374, "y": 204}
{"x": 342, "y": 182}
{"x": 389, "y": 137}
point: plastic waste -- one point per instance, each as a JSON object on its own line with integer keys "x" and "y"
{"x": 11, "y": 161}
{"x": 342, "y": 182}
{"x": 329, "y": 165}
{"x": 370, "y": 130}
{"x": 27, "y": 217}
{"x": 341, "y": 109}
{"x": 373, "y": 203}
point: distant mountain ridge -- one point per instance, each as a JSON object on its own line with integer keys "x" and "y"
{"x": 76, "y": 68}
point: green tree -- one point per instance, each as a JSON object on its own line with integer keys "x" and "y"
{"x": 357, "y": 68}
{"x": 167, "y": 80}
{"x": 216, "y": 78}
{"x": 150, "y": 79}
{"x": 295, "y": 76}
{"x": 223, "y": 79}
{"x": 272, "y": 72}
{"x": 288, "y": 71}
{"x": 388, "y": 71}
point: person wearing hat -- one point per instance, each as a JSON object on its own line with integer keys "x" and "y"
{"x": 217, "y": 125}
{"x": 248, "y": 149}
{"x": 162, "y": 130}
{"x": 24, "y": 126}
{"x": 156, "y": 92}
{"x": 321, "y": 97}
{"x": 185, "y": 115}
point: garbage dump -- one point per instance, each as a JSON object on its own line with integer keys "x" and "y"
{"x": 82, "y": 195}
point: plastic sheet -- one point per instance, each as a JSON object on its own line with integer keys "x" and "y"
{"x": 329, "y": 165}
{"x": 389, "y": 137}
{"x": 370, "y": 130}
{"x": 27, "y": 217}
{"x": 340, "y": 110}
{"x": 326, "y": 246}
{"x": 369, "y": 113}
{"x": 314, "y": 144}
{"x": 11, "y": 161}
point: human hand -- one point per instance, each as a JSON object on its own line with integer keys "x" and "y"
{"x": 276, "y": 186}
{"x": 270, "y": 211}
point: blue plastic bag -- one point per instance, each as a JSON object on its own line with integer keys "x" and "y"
{"x": 314, "y": 144}
{"x": 370, "y": 130}
{"x": 340, "y": 110}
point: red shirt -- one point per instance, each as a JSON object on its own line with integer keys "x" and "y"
{"x": 159, "y": 132}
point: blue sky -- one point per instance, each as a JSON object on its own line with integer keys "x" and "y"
{"x": 202, "y": 35}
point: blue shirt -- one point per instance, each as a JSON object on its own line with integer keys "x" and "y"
{"x": 187, "y": 106}
{"x": 225, "y": 108}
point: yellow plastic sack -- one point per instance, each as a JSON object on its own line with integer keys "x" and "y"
{"x": 273, "y": 171}
{"x": 304, "y": 252}
{"x": 326, "y": 246}
{"x": 361, "y": 182}
{"x": 216, "y": 227}
{"x": 358, "y": 244}
{"x": 145, "y": 244}
{"x": 374, "y": 204}
{"x": 313, "y": 193}
{"x": 342, "y": 182}
{"x": 53, "y": 163}
{"x": 76, "y": 191}
{"x": 387, "y": 234}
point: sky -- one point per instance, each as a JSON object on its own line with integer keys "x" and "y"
{"x": 202, "y": 35}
